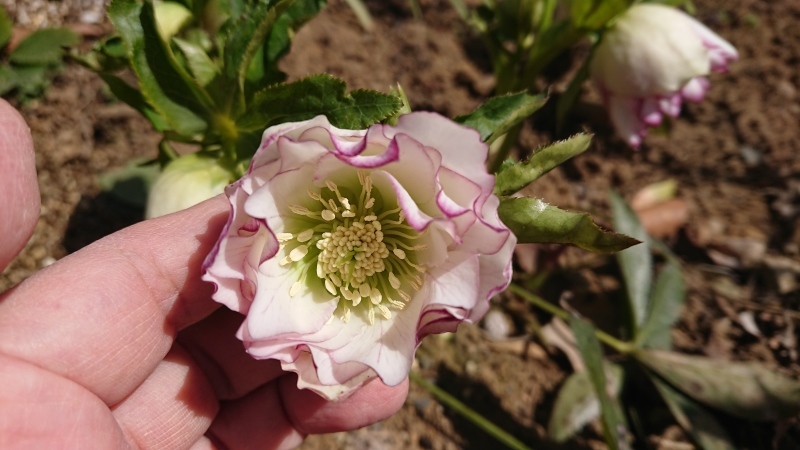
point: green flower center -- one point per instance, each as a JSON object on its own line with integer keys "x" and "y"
{"x": 361, "y": 252}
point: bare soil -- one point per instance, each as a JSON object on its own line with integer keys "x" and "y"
{"x": 735, "y": 157}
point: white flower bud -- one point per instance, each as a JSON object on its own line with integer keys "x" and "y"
{"x": 653, "y": 58}
{"x": 185, "y": 182}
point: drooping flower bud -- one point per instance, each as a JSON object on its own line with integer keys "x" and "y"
{"x": 652, "y": 59}
{"x": 185, "y": 182}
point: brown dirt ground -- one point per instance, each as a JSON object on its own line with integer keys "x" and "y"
{"x": 735, "y": 158}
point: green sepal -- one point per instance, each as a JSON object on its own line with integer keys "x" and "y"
{"x": 511, "y": 179}
{"x": 534, "y": 221}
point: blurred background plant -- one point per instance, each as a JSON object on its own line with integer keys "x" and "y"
{"x": 205, "y": 74}
{"x": 27, "y": 63}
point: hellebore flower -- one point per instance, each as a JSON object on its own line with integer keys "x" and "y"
{"x": 345, "y": 248}
{"x": 649, "y": 61}
{"x": 185, "y": 182}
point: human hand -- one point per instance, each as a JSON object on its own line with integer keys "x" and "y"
{"x": 119, "y": 345}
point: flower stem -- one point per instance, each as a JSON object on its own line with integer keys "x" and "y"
{"x": 509, "y": 140}
{"x": 468, "y": 413}
{"x": 611, "y": 341}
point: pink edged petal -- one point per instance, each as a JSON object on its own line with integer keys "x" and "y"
{"x": 461, "y": 147}
{"x": 670, "y": 105}
{"x": 295, "y": 154}
{"x": 387, "y": 346}
{"x": 307, "y": 379}
{"x": 415, "y": 216}
{"x": 361, "y": 161}
{"x": 714, "y": 42}
{"x": 624, "y": 114}
{"x": 695, "y": 90}
{"x": 275, "y": 313}
{"x": 495, "y": 275}
{"x": 330, "y": 372}
{"x": 267, "y": 152}
{"x": 271, "y": 202}
{"x": 436, "y": 321}
{"x": 346, "y": 142}
{"x": 651, "y": 114}
{"x": 244, "y": 241}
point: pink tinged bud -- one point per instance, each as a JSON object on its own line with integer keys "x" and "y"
{"x": 359, "y": 243}
{"x": 656, "y": 56}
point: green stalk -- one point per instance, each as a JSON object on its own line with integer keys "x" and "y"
{"x": 468, "y": 413}
{"x": 611, "y": 341}
{"x": 547, "y": 16}
{"x": 509, "y": 139}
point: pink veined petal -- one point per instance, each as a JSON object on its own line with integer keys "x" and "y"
{"x": 624, "y": 114}
{"x": 651, "y": 114}
{"x": 695, "y": 90}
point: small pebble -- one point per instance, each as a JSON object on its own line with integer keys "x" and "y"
{"x": 498, "y": 325}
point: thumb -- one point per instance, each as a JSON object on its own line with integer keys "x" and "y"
{"x": 19, "y": 190}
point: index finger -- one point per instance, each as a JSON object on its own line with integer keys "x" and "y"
{"x": 106, "y": 315}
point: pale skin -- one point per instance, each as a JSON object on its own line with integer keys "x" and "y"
{"x": 119, "y": 345}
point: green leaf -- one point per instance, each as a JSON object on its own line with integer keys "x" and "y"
{"x": 130, "y": 183}
{"x": 668, "y": 296}
{"x": 6, "y": 28}
{"x": 694, "y": 418}
{"x": 614, "y": 427}
{"x": 747, "y": 390}
{"x": 43, "y": 47}
{"x": 636, "y": 263}
{"x": 244, "y": 40}
{"x": 126, "y": 93}
{"x": 280, "y": 37}
{"x": 515, "y": 177}
{"x": 165, "y": 85}
{"x": 533, "y": 220}
{"x": 499, "y": 114}
{"x": 577, "y": 403}
{"x": 315, "y": 95}
{"x": 8, "y": 79}
{"x": 200, "y": 64}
